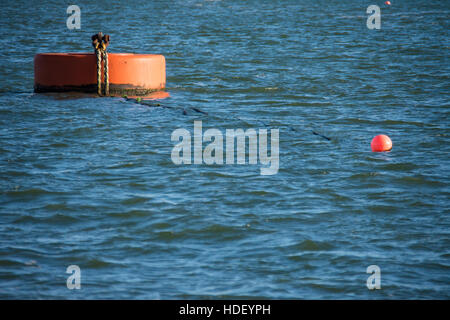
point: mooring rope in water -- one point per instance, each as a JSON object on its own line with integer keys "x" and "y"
{"x": 160, "y": 105}
{"x": 100, "y": 43}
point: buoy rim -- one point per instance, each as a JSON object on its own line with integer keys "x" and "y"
{"x": 92, "y": 53}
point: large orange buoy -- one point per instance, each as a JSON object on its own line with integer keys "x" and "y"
{"x": 129, "y": 74}
{"x": 381, "y": 143}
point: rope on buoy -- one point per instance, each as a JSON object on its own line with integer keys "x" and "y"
{"x": 100, "y": 42}
{"x": 99, "y": 72}
{"x": 105, "y": 59}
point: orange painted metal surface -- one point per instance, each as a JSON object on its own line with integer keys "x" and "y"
{"x": 133, "y": 74}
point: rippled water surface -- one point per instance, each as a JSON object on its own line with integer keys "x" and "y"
{"x": 90, "y": 182}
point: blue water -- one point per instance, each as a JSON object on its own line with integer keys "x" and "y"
{"x": 90, "y": 182}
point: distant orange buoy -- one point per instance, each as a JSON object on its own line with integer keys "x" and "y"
{"x": 129, "y": 74}
{"x": 381, "y": 143}
{"x": 388, "y": 3}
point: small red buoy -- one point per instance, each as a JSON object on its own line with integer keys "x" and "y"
{"x": 381, "y": 143}
{"x": 388, "y": 3}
